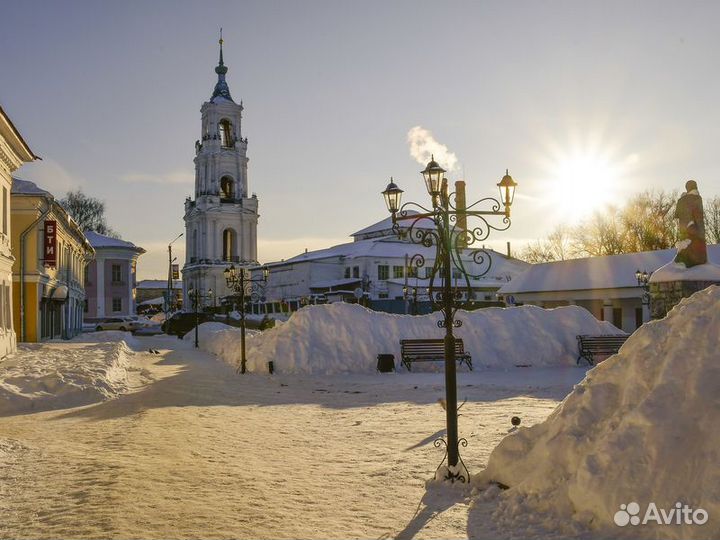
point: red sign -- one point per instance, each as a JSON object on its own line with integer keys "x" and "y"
{"x": 50, "y": 243}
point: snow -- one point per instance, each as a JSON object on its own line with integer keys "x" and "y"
{"x": 346, "y": 338}
{"x": 673, "y": 271}
{"x": 644, "y": 426}
{"x": 65, "y": 374}
{"x": 98, "y": 240}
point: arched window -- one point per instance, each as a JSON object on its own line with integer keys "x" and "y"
{"x": 229, "y": 245}
{"x": 226, "y": 138}
{"x": 227, "y": 188}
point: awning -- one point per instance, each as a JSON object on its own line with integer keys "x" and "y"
{"x": 60, "y": 293}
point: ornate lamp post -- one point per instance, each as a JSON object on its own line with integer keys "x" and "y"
{"x": 643, "y": 280}
{"x": 246, "y": 287}
{"x": 451, "y": 236}
{"x": 195, "y": 297}
{"x": 409, "y": 293}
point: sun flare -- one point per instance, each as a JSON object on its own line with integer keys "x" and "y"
{"x": 584, "y": 181}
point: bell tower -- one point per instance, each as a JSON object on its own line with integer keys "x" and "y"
{"x": 221, "y": 219}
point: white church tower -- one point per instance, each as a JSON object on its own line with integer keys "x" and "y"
{"x": 221, "y": 220}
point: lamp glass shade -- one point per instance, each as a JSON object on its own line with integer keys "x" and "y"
{"x": 393, "y": 196}
{"x": 507, "y": 189}
{"x": 433, "y": 176}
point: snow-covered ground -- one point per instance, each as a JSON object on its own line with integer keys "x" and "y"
{"x": 200, "y": 451}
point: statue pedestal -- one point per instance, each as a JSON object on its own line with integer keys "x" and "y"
{"x": 673, "y": 282}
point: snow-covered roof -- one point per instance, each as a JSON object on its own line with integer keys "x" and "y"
{"x": 610, "y": 272}
{"x": 386, "y": 225}
{"x": 98, "y": 240}
{"x": 26, "y": 187}
{"x": 158, "y": 284}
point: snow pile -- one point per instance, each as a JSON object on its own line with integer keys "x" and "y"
{"x": 643, "y": 427}
{"x": 346, "y": 338}
{"x": 59, "y": 375}
{"x": 114, "y": 336}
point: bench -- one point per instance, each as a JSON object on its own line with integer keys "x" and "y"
{"x": 430, "y": 350}
{"x": 606, "y": 344}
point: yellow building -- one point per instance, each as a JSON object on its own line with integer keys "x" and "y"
{"x": 14, "y": 151}
{"x": 51, "y": 253}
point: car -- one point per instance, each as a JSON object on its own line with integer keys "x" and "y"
{"x": 181, "y": 323}
{"x": 124, "y": 324}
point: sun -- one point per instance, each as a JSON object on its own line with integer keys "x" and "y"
{"x": 583, "y": 181}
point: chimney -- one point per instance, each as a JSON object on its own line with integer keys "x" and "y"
{"x": 460, "y": 206}
{"x": 508, "y": 250}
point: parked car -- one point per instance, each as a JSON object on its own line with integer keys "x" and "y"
{"x": 181, "y": 323}
{"x": 124, "y": 324}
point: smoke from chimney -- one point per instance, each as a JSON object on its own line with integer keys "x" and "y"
{"x": 423, "y": 145}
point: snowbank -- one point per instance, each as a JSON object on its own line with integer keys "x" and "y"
{"x": 643, "y": 427}
{"x": 673, "y": 271}
{"x": 60, "y": 375}
{"x": 346, "y": 338}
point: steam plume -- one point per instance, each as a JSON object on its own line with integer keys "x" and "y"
{"x": 423, "y": 145}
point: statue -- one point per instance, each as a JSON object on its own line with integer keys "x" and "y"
{"x": 691, "y": 246}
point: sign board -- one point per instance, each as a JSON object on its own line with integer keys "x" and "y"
{"x": 176, "y": 271}
{"x": 50, "y": 243}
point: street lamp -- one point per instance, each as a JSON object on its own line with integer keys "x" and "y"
{"x": 408, "y": 294}
{"x": 451, "y": 236}
{"x": 195, "y": 296}
{"x": 246, "y": 286}
{"x": 643, "y": 280}
{"x": 168, "y": 300}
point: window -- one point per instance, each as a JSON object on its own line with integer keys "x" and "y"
{"x": 347, "y": 272}
{"x": 228, "y": 245}
{"x": 356, "y": 271}
{"x": 116, "y": 273}
{"x": 227, "y": 188}
{"x": 226, "y": 139}
{"x": 428, "y": 272}
{"x": 383, "y": 272}
{"x": 398, "y": 272}
{"x": 85, "y": 306}
{"x": 412, "y": 271}
{"x": 617, "y": 317}
{"x": 117, "y": 304}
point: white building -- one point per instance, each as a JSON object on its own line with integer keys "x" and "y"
{"x": 14, "y": 151}
{"x": 605, "y": 286}
{"x": 221, "y": 220}
{"x": 375, "y": 264}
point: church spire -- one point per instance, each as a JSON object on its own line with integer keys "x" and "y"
{"x": 221, "y": 87}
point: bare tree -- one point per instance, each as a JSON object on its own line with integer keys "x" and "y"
{"x": 712, "y": 220}
{"x": 602, "y": 234}
{"x": 648, "y": 221}
{"x": 88, "y": 212}
{"x": 556, "y": 247}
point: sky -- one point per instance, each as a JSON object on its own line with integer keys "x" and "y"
{"x": 585, "y": 103}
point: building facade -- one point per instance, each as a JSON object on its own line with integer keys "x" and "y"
{"x": 51, "y": 253}
{"x": 605, "y": 286}
{"x": 221, "y": 220}
{"x": 375, "y": 269}
{"x": 14, "y": 151}
{"x": 111, "y": 277}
